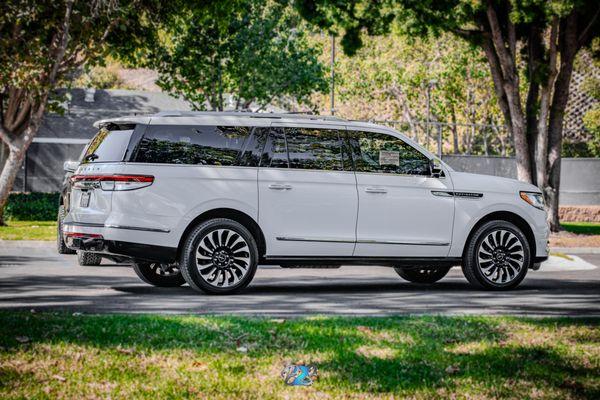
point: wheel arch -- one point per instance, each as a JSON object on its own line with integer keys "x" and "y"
{"x": 508, "y": 216}
{"x": 247, "y": 221}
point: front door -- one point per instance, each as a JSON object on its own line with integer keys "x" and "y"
{"x": 403, "y": 210}
{"x": 307, "y": 192}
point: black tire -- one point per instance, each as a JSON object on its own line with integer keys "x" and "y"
{"x": 497, "y": 256}
{"x": 161, "y": 275}
{"x": 422, "y": 275}
{"x": 60, "y": 239}
{"x": 87, "y": 259}
{"x": 233, "y": 251}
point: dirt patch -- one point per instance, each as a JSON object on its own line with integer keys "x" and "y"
{"x": 579, "y": 213}
{"x": 568, "y": 239}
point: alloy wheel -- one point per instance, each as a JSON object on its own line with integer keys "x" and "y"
{"x": 500, "y": 257}
{"x": 222, "y": 258}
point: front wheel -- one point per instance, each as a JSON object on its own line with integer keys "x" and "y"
{"x": 497, "y": 256}
{"x": 161, "y": 275}
{"x": 422, "y": 275}
{"x": 219, "y": 256}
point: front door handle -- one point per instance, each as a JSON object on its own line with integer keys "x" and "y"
{"x": 279, "y": 186}
{"x": 375, "y": 190}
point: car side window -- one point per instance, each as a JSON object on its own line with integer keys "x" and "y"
{"x": 305, "y": 148}
{"x": 378, "y": 152}
{"x": 253, "y": 147}
{"x": 202, "y": 144}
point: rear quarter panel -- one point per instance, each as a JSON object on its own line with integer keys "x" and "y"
{"x": 178, "y": 195}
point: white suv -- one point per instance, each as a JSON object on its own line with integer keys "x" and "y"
{"x": 204, "y": 198}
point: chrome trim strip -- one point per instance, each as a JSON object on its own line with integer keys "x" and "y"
{"x": 301, "y": 239}
{"x": 85, "y": 224}
{"x": 442, "y": 193}
{"x": 364, "y": 241}
{"x": 130, "y": 228}
{"x": 138, "y": 228}
{"x": 368, "y": 241}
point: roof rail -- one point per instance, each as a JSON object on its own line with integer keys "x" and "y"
{"x": 247, "y": 114}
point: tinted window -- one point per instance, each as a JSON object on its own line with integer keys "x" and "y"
{"x": 377, "y": 152}
{"x": 253, "y": 147}
{"x": 108, "y": 145}
{"x": 205, "y": 145}
{"x": 305, "y": 148}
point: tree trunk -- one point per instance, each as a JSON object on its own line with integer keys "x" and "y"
{"x": 8, "y": 176}
{"x": 568, "y": 46}
{"x": 454, "y": 131}
{"x": 541, "y": 149}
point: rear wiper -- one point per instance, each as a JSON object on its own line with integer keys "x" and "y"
{"x": 91, "y": 157}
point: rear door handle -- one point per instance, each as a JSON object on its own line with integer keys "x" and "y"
{"x": 279, "y": 186}
{"x": 375, "y": 190}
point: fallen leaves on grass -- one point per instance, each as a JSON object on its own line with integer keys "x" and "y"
{"x": 22, "y": 339}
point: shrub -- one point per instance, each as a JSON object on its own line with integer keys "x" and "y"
{"x": 32, "y": 206}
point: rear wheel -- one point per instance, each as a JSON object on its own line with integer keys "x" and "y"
{"x": 219, "y": 256}
{"x": 422, "y": 275}
{"x": 87, "y": 259}
{"x": 60, "y": 239}
{"x": 497, "y": 256}
{"x": 161, "y": 275}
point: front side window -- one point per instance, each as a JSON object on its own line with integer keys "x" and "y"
{"x": 109, "y": 144}
{"x": 202, "y": 145}
{"x": 305, "y": 148}
{"x": 378, "y": 152}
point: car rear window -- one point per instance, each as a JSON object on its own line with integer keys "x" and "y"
{"x": 201, "y": 145}
{"x": 109, "y": 144}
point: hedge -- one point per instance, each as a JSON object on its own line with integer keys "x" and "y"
{"x": 32, "y": 206}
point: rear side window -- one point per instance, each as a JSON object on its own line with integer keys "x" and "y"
{"x": 203, "y": 145}
{"x": 378, "y": 152}
{"x": 306, "y": 148}
{"x": 109, "y": 144}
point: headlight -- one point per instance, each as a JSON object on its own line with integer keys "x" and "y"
{"x": 535, "y": 199}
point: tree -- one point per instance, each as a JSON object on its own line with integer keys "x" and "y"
{"x": 389, "y": 77}
{"x": 42, "y": 42}
{"x": 258, "y": 53}
{"x": 533, "y": 42}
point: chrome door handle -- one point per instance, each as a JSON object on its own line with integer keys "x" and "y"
{"x": 375, "y": 190}
{"x": 279, "y": 186}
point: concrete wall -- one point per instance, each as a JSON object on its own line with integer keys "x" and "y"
{"x": 580, "y": 177}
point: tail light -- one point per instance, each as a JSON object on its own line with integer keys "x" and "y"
{"x": 112, "y": 182}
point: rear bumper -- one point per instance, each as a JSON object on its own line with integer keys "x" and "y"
{"x": 137, "y": 251}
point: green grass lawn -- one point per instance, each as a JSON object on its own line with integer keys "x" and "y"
{"x": 46, "y": 355}
{"x": 28, "y": 230}
{"x": 587, "y": 228}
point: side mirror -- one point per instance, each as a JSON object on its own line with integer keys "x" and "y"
{"x": 436, "y": 169}
{"x": 70, "y": 166}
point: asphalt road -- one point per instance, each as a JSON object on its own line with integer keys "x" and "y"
{"x": 38, "y": 278}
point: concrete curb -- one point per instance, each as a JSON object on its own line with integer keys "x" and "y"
{"x": 50, "y": 243}
{"x": 575, "y": 250}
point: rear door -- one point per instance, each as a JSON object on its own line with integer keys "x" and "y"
{"x": 307, "y": 192}
{"x": 104, "y": 155}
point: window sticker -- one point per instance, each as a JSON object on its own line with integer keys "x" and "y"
{"x": 387, "y": 157}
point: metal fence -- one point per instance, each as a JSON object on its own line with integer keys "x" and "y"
{"x": 456, "y": 138}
